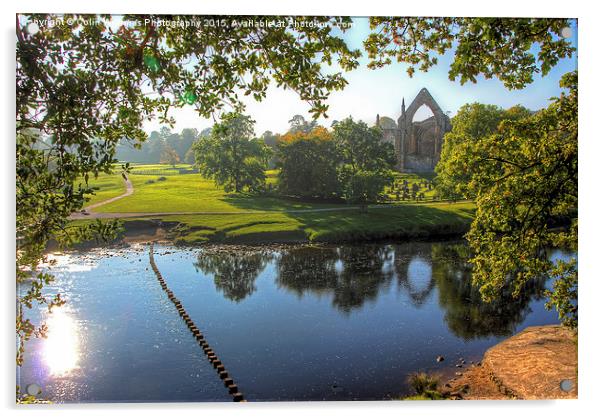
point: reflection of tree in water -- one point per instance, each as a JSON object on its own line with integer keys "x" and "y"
{"x": 314, "y": 269}
{"x": 234, "y": 272}
{"x": 466, "y": 314}
{"x": 363, "y": 275}
{"x": 407, "y": 256}
{"x": 308, "y": 269}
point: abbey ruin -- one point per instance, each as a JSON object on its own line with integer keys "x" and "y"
{"x": 417, "y": 144}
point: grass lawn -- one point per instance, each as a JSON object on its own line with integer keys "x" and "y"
{"x": 414, "y": 178}
{"x": 193, "y": 193}
{"x": 173, "y": 192}
{"x": 109, "y": 185}
{"x": 403, "y": 221}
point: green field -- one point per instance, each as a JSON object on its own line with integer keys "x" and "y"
{"x": 402, "y": 221}
{"x": 168, "y": 191}
{"x": 109, "y": 185}
{"x": 192, "y": 193}
{"x": 236, "y": 222}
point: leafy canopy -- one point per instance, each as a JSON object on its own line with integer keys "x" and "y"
{"x": 308, "y": 164}
{"x": 81, "y": 88}
{"x": 491, "y": 47}
{"x": 523, "y": 177}
{"x": 365, "y": 161}
{"x": 231, "y": 157}
{"x": 473, "y": 122}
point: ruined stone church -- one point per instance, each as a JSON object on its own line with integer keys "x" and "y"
{"x": 417, "y": 144}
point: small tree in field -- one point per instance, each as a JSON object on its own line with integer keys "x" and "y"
{"x": 366, "y": 161}
{"x": 231, "y": 157}
{"x": 363, "y": 187}
{"x": 170, "y": 156}
{"x": 308, "y": 164}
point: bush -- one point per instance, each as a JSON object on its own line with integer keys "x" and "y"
{"x": 151, "y": 181}
{"x": 162, "y": 178}
{"x": 425, "y": 385}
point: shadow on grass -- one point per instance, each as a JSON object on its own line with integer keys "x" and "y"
{"x": 262, "y": 202}
{"x": 399, "y": 222}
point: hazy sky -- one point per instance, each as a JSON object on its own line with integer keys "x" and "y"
{"x": 380, "y": 91}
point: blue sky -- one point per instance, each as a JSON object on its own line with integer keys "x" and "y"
{"x": 380, "y": 91}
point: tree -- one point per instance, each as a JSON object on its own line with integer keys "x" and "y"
{"x": 362, "y": 147}
{"x": 525, "y": 177}
{"x": 299, "y": 124}
{"x": 189, "y": 156}
{"x": 169, "y": 156}
{"x": 472, "y": 123}
{"x": 184, "y": 142}
{"x": 308, "y": 164}
{"x": 79, "y": 91}
{"x": 526, "y": 184}
{"x": 492, "y": 47}
{"x": 364, "y": 186}
{"x": 271, "y": 139}
{"x": 231, "y": 157}
{"x": 366, "y": 161}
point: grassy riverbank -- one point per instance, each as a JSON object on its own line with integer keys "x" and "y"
{"x": 243, "y": 218}
{"x": 418, "y": 221}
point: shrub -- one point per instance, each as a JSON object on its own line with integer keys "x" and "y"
{"x": 425, "y": 385}
{"x": 162, "y": 178}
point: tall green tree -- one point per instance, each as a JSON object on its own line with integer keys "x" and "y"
{"x": 524, "y": 177}
{"x": 231, "y": 156}
{"x": 525, "y": 182}
{"x": 473, "y": 122}
{"x": 299, "y": 124}
{"x": 308, "y": 164}
{"x": 169, "y": 156}
{"x": 366, "y": 161}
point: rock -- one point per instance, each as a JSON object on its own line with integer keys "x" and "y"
{"x": 440, "y": 359}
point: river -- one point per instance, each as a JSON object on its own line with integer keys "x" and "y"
{"x": 346, "y": 322}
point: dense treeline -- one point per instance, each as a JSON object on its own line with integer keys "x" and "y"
{"x": 348, "y": 162}
{"x": 163, "y": 146}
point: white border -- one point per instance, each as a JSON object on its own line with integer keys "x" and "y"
{"x": 589, "y": 148}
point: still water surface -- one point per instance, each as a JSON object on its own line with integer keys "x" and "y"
{"x": 298, "y": 323}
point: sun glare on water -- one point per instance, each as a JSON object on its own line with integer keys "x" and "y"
{"x": 61, "y": 347}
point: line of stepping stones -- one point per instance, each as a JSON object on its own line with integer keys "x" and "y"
{"x": 237, "y": 396}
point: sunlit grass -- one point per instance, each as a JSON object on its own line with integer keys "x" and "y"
{"x": 107, "y": 185}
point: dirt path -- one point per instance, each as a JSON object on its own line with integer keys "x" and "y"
{"x": 129, "y": 189}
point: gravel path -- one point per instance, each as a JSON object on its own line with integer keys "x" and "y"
{"x": 129, "y": 189}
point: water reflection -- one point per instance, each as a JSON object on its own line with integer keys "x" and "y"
{"x": 234, "y": 273}
{"x": 414, "y": 272}
{"x": 354, "y": 275}
{"x": 61, "y": 347}
{"x": 466, "y": 314}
